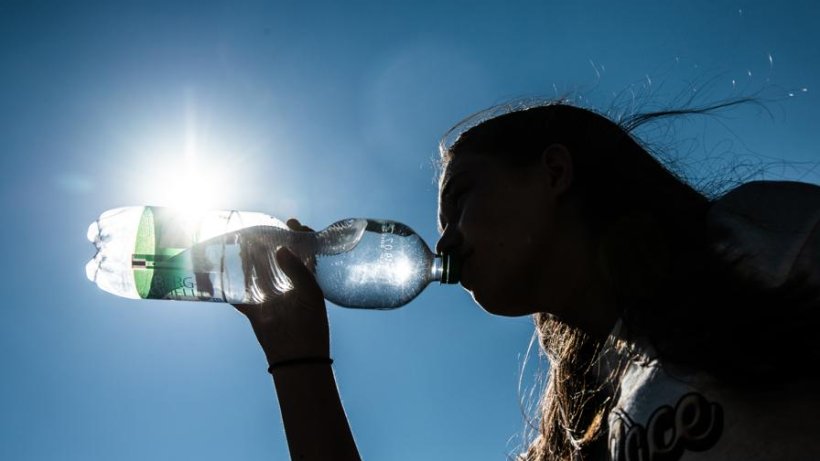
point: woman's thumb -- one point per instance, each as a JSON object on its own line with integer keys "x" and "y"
{"x": 294, "y": 268}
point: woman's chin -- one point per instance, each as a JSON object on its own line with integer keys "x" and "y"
{"x": 502, "y": 307}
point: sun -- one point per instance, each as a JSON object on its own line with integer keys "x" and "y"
{"x": 198, "y": 183}
{"x": 191, "y": 187}
{"x": 182, "y": 168}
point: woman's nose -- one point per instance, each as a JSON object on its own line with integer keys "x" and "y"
{"x": 449, "y": 241}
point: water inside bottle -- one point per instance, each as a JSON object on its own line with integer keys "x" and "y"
{"x": 390, "y": 265}
{"x": 229, "y": 256}
{"x": 257, "y": 246}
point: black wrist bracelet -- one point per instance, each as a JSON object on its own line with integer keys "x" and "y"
{"x": 299, "y": 361}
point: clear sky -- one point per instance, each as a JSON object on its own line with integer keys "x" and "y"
{"x": 322, "y": 112}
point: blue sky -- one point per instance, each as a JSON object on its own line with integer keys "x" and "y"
{"x": 321, "y": 111}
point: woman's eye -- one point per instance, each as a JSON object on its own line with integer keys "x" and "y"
{"x": 456, "y": 199}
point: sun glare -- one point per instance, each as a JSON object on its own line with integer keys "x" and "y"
{"x": 396, "y": 272}
{"x": 194, "y": 184}
{"x": 184, "y": 170}
{"x": 192, "y": 189}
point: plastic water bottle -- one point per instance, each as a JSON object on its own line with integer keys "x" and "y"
{"x": 228, "y": 256}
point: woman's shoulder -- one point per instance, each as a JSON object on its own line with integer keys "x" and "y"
{"x": 666, "y": 409}
{"x": 757, "y": 197}
{"x": 767, "y": 231}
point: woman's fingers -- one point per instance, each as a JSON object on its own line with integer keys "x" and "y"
{"x": 295, "y": 269}
{"x": 295, "y": 225}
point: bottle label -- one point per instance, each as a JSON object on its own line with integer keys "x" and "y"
{"x": 166, "y": 262}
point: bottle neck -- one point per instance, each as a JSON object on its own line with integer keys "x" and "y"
{"x": 445, "y": 270}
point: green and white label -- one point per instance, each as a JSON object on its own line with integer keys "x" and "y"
{"x": 164, "y": 257}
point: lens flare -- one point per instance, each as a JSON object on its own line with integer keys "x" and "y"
{"x": 397, "y": 271}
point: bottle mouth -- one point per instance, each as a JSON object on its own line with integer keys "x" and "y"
{"x": 450, "y": 270}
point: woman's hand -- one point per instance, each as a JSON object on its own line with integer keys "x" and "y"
{"x": 293, "y": 324}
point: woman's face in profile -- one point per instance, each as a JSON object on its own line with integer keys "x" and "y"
{"x": 498, "y": 220}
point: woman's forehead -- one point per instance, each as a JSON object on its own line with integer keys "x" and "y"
{"x": 462, "y": 165}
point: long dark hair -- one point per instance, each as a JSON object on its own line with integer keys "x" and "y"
{"x": 649, "y": 226}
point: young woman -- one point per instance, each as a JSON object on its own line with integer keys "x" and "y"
{"x": 667, "y": 317}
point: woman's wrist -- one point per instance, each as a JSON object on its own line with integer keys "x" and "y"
{"x": 315, "y": 422}
{"x": 299, "y": 362}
